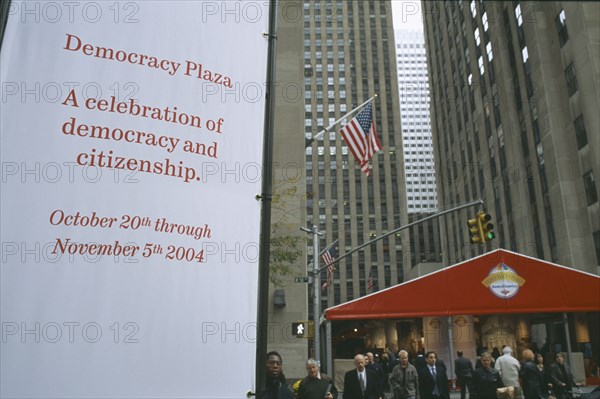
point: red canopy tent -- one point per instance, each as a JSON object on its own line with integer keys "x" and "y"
{"x": 497, "y": 282}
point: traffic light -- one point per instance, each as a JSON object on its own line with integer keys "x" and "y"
{"x": 486, "y": 226}
{"x": 480, "y": 228}
{"x": 475, "y": 230}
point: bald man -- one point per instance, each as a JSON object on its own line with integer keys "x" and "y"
{"x": 361, "y": 382}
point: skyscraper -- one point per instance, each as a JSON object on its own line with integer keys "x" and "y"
{"x": 515, "y": 122}
{"x": 348, "y": 57}
{"x": 416, "y": 129}
{"x": 413, "y": 85}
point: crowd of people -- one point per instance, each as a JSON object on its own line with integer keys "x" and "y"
{"x": 427, "y": 377}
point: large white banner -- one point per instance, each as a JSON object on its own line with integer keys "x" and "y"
{"x": 131, "y": 145}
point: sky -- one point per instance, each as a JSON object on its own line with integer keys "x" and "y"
{"x": 407, "y": 14}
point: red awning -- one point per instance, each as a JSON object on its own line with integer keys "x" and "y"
{"x": 497, "y": 282}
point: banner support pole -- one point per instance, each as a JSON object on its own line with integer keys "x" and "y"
{"x": 262, "y": 323}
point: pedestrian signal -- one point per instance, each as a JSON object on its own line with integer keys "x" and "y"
{"x": 480, "y": 228}
{"x": 303, "y": 329}
{"x": 299, "y": 329}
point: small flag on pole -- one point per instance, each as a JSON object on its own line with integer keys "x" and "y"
{"x": 360, "y": 136}
{"x": 370, "y": 282}
{"x": 328, "y": 258}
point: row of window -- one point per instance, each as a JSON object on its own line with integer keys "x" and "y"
{"x": 423, "y": 198}
{"x": 409, "y": 45}
{"x": 418, "y": 190}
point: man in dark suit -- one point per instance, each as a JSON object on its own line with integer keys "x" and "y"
{"x": 463, "y": 369}
{"x": 433, "y": 382}
{"x": 420, "y": 360}
{"x": 361, "y": 382}
{"x": 372, "y": 364}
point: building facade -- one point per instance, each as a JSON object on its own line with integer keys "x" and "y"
{"x": 349, "y": 56}
{"x": 514, "y": 117}
{"x": 413, "y": 84}
{"x": 419, "y": 166}
{"x": 288, "y": 299}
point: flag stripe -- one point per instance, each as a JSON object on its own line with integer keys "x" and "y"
{"x": 357, "y": 138}
{"x": 350, "y": 137}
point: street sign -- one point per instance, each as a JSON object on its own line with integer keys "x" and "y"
{"x": 301, "y": 280}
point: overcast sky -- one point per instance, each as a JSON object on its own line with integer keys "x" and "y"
{"x": 407, "y": 14}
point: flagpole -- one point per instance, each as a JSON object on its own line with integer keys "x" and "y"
{"x": 322, "y": 132}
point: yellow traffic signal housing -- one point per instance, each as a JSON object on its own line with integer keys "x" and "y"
{"x": 480, "y": 228}
{"x": 475, "y": 230}
{"x": 486, "y": 226}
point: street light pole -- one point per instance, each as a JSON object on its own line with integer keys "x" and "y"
{"x": 436, "y": 215}
{"x": 316, "y": 287}
{"x": 316, "y": 295}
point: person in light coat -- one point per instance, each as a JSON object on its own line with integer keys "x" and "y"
{"x": 509, "y": 368}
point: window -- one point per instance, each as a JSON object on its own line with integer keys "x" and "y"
{"x": 490, "y": 55}
{"x": 571, "y": 79}
{"x": 561, "y": 27}
{"x": 580, "y": 133}
{"x": 518, "y": 15}
{"x": 590, "y": 188}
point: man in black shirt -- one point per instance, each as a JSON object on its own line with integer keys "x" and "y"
{"x": 561, "y": 378}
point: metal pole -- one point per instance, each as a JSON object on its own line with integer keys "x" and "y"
{"x": 328, "y": 338}
{"x": 470, "y": 204}
{"x": 568, "y": 339}
{"x": 265, "y": 222}
{"x": 451, "y": 349}
{"x": 316, "y": 295}
{"x": 4, "y": 9}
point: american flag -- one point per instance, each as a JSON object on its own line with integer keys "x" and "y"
{"x": 360, "y": 136}
{"x": 328, "y": 258}
{"x": 370, "y": 282}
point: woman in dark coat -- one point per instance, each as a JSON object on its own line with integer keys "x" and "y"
{"x": 532, "y": 377}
